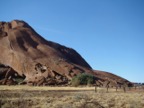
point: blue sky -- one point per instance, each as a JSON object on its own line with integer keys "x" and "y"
{"x": 109, "y": 34}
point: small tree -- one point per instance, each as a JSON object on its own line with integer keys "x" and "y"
{"x": 83, "y": 79}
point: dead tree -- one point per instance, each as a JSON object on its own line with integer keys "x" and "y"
{"x": 107, "y": 85}
{"x": 115, "y": 83}
{"x": 107, "y": 88}
{"x": 116, "y": 88}
{"x": 124, "y": 87}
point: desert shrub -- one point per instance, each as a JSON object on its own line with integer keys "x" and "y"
{"x": 82, "y": 79}
{"x": 75, "y": 81}
{"x": 19, "y": 79}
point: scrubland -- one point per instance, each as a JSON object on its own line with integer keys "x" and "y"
{"x": 68, "y": 97}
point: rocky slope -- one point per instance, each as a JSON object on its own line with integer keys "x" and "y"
{"x": 28, "y": 56}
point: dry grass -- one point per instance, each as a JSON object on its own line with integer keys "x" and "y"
{"x": 67, "y": 97}
{"x": 43, "y": 88}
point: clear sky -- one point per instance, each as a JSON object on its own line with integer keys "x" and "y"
{"x": 109, "y": 34}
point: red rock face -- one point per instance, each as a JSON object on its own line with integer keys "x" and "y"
{"x": 41, "y": 62}
{"x": 29, "y": 54}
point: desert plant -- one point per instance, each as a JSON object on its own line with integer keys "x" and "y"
{"x": 82, "y": 79}
{"x": 75, "y": 82}
{"x": 19, "y": 80}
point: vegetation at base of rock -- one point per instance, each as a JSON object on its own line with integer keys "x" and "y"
{"x": 83, "y": 79}
{"x": 19, "y": 79}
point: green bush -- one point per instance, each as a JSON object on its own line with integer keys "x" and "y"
{"x": 19, "y": 79}
{"x": 82, "y": 79}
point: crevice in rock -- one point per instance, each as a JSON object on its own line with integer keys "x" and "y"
{"x": 40, "y": 68}
{"x": 9, "y": 76}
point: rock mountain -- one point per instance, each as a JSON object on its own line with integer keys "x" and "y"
{"x": 27, "y": 55}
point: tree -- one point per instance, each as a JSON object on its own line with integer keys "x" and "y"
{"x": 83, "y": 79}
